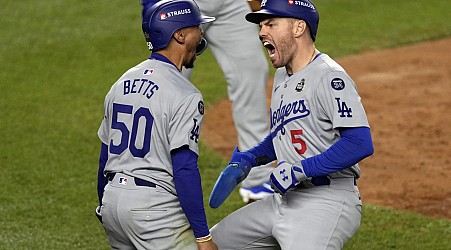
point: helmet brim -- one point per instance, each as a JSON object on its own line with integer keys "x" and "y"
{"x": 207, "y": 19}
{"x": 258, "y": 16}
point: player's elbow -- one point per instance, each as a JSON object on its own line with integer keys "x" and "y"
{"x": 368, "y": 148}
{"x": 358, "y": 140}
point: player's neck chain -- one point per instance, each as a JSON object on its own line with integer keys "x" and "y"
{"x": 315, "y": 52}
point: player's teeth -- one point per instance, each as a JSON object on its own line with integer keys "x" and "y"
{"x": 271, "y": 53}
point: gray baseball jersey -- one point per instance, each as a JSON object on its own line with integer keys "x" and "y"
{"x": 149, "y": 111}
{"x": 306, "y": 110}
{"x": 309, "y": 106}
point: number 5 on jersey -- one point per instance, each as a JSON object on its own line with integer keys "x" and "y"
{"x": 298, "y": 143}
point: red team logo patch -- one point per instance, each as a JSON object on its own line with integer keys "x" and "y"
{"x": 163, "y": 16}
{"x": 290, "y": 2}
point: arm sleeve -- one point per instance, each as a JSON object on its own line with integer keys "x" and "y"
{"x": 101, "y": 179}
{"x": 354, "y": 145}
{"x": 264, "y": 151}
{"x": 186, "y": 123}
{"x": 189, "y": 189}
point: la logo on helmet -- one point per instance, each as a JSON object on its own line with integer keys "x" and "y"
{"x": 149, "y": 45}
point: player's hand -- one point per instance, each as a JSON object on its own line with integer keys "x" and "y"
{"x": 286, "y": 176}
{"x": 237, "y": 170}
{"x": 98, "y": 214}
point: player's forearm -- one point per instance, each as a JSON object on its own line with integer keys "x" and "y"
{"x": 354, "y": 145}
{"x": 264, "y": 151}
{"x": 189, "y": 190}
{"x": 101, "y": 179}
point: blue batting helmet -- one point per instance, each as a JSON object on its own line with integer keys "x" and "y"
{"x": 300, "y": 9}
{"x": 161, "y": 19}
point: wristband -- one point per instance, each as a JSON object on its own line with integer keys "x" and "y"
{"x": 203, "y": 239}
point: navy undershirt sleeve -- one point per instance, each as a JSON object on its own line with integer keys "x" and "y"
{"x": 101, "y": 179}
{"x": 264, "y": 151}
{"x": 354, "y": 145}
{"x": 189, "y": 189}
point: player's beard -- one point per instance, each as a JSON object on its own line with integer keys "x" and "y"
{"x": 189, "y": 64}
{"x": 284, "y": 51}
{"x": 193, "y": 41}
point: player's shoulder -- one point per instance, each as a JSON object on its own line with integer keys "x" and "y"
{"x": 164, "y": 74}
{"x": 333, "y": 75}
{"x": 133, "y": 72}
{"x": 327, "y": 69}
{"x": 152, "y": 74}
{"x": 326, "y": 64}
{"x": 151, "y": 69}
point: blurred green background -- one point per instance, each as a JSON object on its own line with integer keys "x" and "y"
{"x": 59, "y": 59}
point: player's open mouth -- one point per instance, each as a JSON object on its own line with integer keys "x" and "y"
{"x": 270, "y": 48}
{"x": 201, "y": 46}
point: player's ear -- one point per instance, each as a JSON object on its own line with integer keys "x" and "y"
{"x": 299, "y": 27}
{"x": 180, "y": 36}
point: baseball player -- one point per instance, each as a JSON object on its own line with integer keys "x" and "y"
{"x": 235, "y": 45}
{"x": 149, "y": 182}
{"x": 319, "y": 133}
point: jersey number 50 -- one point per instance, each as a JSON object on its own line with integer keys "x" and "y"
{"x": 126, "y": 138}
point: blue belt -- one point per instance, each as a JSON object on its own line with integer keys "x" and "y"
{"x": 138, "y": 182}
{"x": 320, "y": 181}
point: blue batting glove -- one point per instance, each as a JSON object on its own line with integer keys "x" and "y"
{"x": 237, "y": 170}
{"x": 286, "y": 176}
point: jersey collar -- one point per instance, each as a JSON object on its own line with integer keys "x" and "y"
{"x": 160, "y": 57}
{"x": 317, "y": 55}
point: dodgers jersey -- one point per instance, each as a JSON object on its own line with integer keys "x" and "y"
{"x": 308, "y": 107}
{"x": 151, "y": 110}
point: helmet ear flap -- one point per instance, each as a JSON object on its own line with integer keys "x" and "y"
{"x": 201, "y": 47}
{"x": 146, "y": 19}
{"x": 150, "y": 46}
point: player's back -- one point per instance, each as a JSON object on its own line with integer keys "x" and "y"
{"x": 143, "y": 110}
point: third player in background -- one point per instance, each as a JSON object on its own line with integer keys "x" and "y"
{"x": 234, "y": 43}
